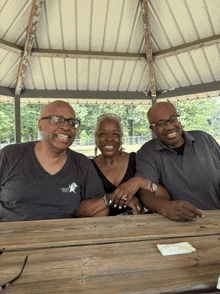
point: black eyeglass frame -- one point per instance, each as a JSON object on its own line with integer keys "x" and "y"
{"x": 166, "y": 121}
{"x": 13, "y": 280}
{"x": 64, "y": 119}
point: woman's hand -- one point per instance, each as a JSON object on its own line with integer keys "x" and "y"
{"x": 123, "y": 194}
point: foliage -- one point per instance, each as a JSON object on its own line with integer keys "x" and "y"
{"x": 202, "y": 114}
{"x": 7, "y": 122}
{"x": 134, "y": 118}
{"x": 197, "y": 114}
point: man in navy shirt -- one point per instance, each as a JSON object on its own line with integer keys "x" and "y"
{"x": 187, "y": 164}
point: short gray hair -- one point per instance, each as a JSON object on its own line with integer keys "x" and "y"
{"x": 110, "y": 116}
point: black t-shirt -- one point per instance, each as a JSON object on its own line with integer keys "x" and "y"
{"x": 28, "y": 192}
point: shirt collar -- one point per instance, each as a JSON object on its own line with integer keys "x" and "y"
{"x": 189, "y": 139}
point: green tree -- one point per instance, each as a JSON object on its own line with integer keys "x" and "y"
{"x": 29, "y": 122}
{"x": 7, "y": 128}
{"x": 197, "y": 114}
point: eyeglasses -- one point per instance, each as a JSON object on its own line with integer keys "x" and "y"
{"x": 59, "y": 120}
{"x": 10, "y": 282}
{"x": 109, "y": 115}
{"x": 174, "y": 119}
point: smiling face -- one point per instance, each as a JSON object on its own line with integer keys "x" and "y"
{"x": 54, "y": 136}
{"x": 108, "y": 138}
{"x": 169, "y": 134}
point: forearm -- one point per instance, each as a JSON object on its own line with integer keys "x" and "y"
{"x": 177, "y": 210}
{"x": 92, "y": 208}
{"x": 154, "y": 202}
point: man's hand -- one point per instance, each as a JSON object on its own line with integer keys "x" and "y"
{"x": 180, "y": 211}
{"x": 136, "y": 206}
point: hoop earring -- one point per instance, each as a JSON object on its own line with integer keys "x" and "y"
{"x": 96, "y": 150}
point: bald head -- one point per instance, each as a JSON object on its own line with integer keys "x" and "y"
{"x": 55, "y": 107}
{"x": 158, "y": 110}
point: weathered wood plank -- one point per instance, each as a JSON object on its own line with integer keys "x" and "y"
{"x": 74, "y": 232}
{"x": 132, "y": 267}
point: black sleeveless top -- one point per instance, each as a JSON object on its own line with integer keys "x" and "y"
{"x": 110, "y": 188}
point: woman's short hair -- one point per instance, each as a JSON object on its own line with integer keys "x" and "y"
{"x": 110, "y": 116}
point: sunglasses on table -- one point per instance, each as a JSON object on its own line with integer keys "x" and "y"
{"x": 59, "y": 120}
{"x": 10, "y": 282}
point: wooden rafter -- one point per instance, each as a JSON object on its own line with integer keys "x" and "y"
{"x": 149, "y": 54}
{"x": 30, "y": 36}
{"x": 187, "y": 47}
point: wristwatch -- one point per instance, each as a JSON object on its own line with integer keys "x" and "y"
{"x": 154, "y": 187}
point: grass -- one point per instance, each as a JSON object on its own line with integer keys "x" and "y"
{"x": 89, "y": 150}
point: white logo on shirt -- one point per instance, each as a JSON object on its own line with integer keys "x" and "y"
{"x": 72, "y": 188}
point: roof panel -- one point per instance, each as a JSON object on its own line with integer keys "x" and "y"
{"x": 178, "y": 71}
{"x": 202, "y": 65}
{"x": 128, "y": 20}
{"x": 60, "y": 73}
{"x": 190, "y": 68}
{"x": 139, "y": 69}
{"x": 14, "y": 19}
{"x": 183, "y": 20}
{"x": 71, "y": 69}
{"x": 68, "y": 24}
{"x": 42, "y": 39}
{"x": 83, "y": 24}
{"x": 99, "y": 16}
{"x": 200, "y": 17}
{"x": 115, "y": 28}
{"x": 164, "y": 67}
{"x": 126, "y": 75}
{"x": 94, "y": 73}
{"x": 113, "y": 23}
{"x": 36, "y": 68}
{"x": 105, "y": 75}
{"x": 83, "y": 73}
{"x": 213, "y": 7}
{"x": 9, "y": 66}
{"x": 52, "y": 10}
{"x": 213, "y": 57}
{"x": 117, "y": 69}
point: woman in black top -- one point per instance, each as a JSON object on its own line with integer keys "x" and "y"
{"x": 115, "y": 166}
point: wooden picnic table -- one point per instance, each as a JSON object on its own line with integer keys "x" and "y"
{"x": 110, "y": 255}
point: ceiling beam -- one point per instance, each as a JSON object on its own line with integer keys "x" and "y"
{"x": 112, "y": 55}
{"x": 76, "y": 94}
{"x": 213, "y": 40}
{"x": 30, "y": 36}
{"x": 190, "y": 90}
{"x": 149, "y": 54}
{"x": 114, "y": 95}
{"x": 87, "y": 54}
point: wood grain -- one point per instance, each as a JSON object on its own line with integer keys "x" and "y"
{"x": 132, "y": 267}
{"x": 75, "y": 232}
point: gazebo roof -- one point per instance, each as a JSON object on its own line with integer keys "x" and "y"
{"x": 109, "y": 51}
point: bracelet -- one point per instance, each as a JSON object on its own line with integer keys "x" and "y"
{"x": 106, "y": 200}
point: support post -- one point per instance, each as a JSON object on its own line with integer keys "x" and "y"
{"x": 17, "y": 117}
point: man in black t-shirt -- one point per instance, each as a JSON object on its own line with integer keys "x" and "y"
{"x": 46, "y": 179}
